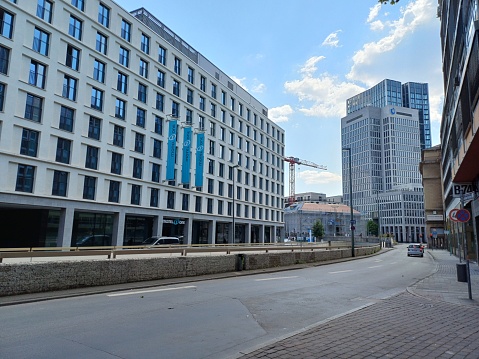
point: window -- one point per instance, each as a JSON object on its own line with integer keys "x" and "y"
{"x": 191, "y": 75}
{"x": 33, "y": 108}
{"x": 185, "y": 203}
{"x": 139, "y": 142}
{"x": 135, "y": 194}
{"x": 145, "y": 43}
{"x": 211, "y": 166}
{"x": 66, "y": 118}
{"x": 44, "y": 10}
{"x": 140, "y": 117}
{"x": 155, "y": 173}
{"x": 91, "y": 160}
{"x": 170, "y": 199}
{"x": 203, "y": 83}
{"x": 142, "y": 92}
{"x": 29, "y": 145}
{"x": 160, "y": 102}
{"x": 118, "y": 136}
{"x": 37, "y": 74}
{"x": 154, "y": 196}
{"x": 158, "y": 125}
{"x": 220, "y": 207}
{"x": 162, "y": 55}
{"x": 120, "y": 109}
{"x": 60, "y": 182}
{"x": 99, "y": 71}
{"x": 6, "y": 23}
{"x": 80, "y": 4}
{"x": 223, "y": 98}
{"x": 73, "y": 58}
{"x": 213, "y": 109}
{"x": 75, "y": 28}
{"x": 157, "y": 148}
{"x": 175, "y": 109}
{"x": 103, "y": 15}
{"x": 197, "y": 204}
{"x": 125, "y": 30}
{"x": 96, "y": 99}
{"x": 212, "y": 147}
{"x": 41, "y": 41}
{"x": 177, "y": 66}
{"x": 114, "y": 192}
{"x": 189, "y": 117}
{"x": 4, "y": 59}
{"x": 137, "y": 168}
{"x": 213, "y": 90}
{"x": 89, "y": 186}
{"x": 161, "y": 79}
{"x": 122, "y": 82}
{"x": 63, "y": 150}
{"x": 124, "y": 57}
{"x": 189, "y": 96}
{"x": 116, "y": 159}
{"x": 209, "y": 205}
{"x": 94, "y": 127}
{"x": 202, "y": 103}
{"x": 210, "y": 186}
{"x": 101, "y": 43}
{"x": 69, "y": 88}
{"x": 25, "y": 178}
{"x": 232, "y": 104}
{"x": 143, "y": 68}
{"x": 176, "y": 88}
{"x": 221, "y": 186}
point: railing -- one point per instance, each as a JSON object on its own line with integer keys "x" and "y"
{"x": 111, "y": 252}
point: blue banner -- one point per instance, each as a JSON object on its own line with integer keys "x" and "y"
{"x": 186, "y": 159}
{"x": 200, "y": 159}
{"x": 170, "y": 159}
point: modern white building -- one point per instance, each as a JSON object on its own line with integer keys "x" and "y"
{"x": 112, "y": 125}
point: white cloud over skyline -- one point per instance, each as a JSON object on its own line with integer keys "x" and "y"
{"x": 332, "y": 39}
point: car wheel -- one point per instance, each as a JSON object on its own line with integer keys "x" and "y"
{"x": 422, "y": 255}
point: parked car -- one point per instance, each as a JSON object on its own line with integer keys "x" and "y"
{"x": 158, "y": 240}
{"x": 95, "y": 240}
{"x": 415, "y": 250}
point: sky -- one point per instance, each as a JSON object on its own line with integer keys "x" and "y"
{"x": 302, "y": 59}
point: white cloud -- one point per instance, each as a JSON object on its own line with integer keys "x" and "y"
{"x": 258, "y": 87}
{"x": 312, "y": 177}
{"x": 377, "y": 25}
{"x": 240, "y": 81}
{"x": 309, "y": 67}
{"x": 332, "y": 39}
{"x": 373, "y": 12}
{"x": 280, "y": 114}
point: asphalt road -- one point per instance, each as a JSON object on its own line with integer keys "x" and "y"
{"x": 204, "y": 319}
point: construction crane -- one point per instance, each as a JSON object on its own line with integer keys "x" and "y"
{"x": 296, "y": 161}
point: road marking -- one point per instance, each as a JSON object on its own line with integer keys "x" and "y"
{"x": 150, "y": 291}
{"x": 341, "y": 271}
{"x": 374, "y": 267}
{"x": 259, "y": 280}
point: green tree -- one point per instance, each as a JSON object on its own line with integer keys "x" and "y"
{"x": 373, "y": 228}
{"x": 318, "y": 230}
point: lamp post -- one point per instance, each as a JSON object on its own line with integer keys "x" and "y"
{"x": 234, "y": 209}
{"x": 348, "y": 149}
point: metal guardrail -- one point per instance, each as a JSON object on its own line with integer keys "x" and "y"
{"x": 112, "y": 252}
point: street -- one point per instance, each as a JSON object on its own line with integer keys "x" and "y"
{"x": 204, "y": 319}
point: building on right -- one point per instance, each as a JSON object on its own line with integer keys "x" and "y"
{"x": 386, "y": 134}
{"x": 460, "y": 116}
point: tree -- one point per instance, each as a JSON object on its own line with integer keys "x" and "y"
{"x": 392, "y": 2}
{"x": 318, "y": 230}
{"x": 373, "y": 228}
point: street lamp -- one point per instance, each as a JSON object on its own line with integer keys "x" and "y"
{"x": 234, "y": 190}
{"x": 348, "y": 149}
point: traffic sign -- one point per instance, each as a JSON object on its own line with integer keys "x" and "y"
{"x": 452, "y": 214}
{"x": 463, "y": 215}
{"x": 461, "y": 189}
{"x": 353, "y": 221}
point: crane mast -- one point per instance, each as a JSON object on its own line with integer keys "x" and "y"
{"x": 293, "y": 161}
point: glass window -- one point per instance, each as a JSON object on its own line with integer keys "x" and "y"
{"x": 176, "y": 88}
{"x": 139, "y": 142}
{"x": 37, "y": 74}
{"x": 80, "y": 4}
{"x": 73, "y": 58}
{"x": 89, "y": 187}
{"x": 145, "y": 43}
{"x": 203, "y": 83}
{"x": 177, "y": 66}
{"x": 96, "y": 99}
{"x": 75, "y": 28}
{"x": 213, "y": 90}
{"x": 137, "y": 168}
{"x": 125, "y": 30}
{"x": 189, "y": 96}
{"x": 63, "y": 150}
{"x": 162, "y": 55}
{"x": 191, "y": 75}
{"x": 135, "y": 194}
{"x": 161, "y": 79}
{"x": 143, "y": 68}
{"x": 142, "y": 92}
{"x": 154, "y": 197}
{"x": 41, "y": 41}
{"x": 158, "y": 125}
{"x": 114, "y": 192}
{"x": 99, "y": 71}
{"x": 124, "y": 57}
{"x": 140, "y": 117}
{"x": 170, "y": 199}
{"x": 33, "y": 108}
{"x": 101, "y": 43}
{"x": 94, "y": 128}
{"x": 6, "y": 23}
{"x": 66, "y": 118}
{"x": 202, "y": 103}
{"x": 29, "y": 144}
{"x": 116, "y": 159}
{"x": 157, "y": 148}
{"x": 103, "y": 15}
{"x": 120, "y": 109}
{"x": 44, "y": 10}
{"x": 91, "y": 160}
{"x": 160, "y": 102}
{"x": 198, "y": 204}
{"x": 69, "y": 88}
{"x": 118, "y": 136}
{"x": 155, "y": 173}
{"x": 60, "y": 182}
{"x": 25, "y": 178}
{"x": 185, "y": 203}
{"x": 122, "y": 82}
{"x": 4, "y": 59}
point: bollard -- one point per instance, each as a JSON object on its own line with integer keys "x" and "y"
{"x": 240, "y": 262}
{"x": 461, "y": 272}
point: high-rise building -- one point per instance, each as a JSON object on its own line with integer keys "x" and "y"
{"x": 112, "y": 125}
{"x": 385, "y": 144}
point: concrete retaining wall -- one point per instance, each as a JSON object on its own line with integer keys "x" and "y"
{"x": 21, "y": 278}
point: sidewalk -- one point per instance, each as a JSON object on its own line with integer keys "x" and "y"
{"x": 433, "y": 319}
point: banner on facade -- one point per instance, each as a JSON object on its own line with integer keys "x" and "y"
{"x": 170, "y": 159}
{"x": 186, "y": 158}
{"x": 200, "y": 159}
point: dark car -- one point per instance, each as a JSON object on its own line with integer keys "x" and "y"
{"x": 157, "y": 240}
{"x": 95, "y": 240}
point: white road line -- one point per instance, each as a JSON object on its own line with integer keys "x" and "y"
{"x": 375, "y": 267}
{"x": 150, "y": 291}
{"x": 341, "y": 271}
{"x": 259, "y": 280}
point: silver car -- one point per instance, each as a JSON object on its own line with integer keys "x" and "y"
{"x": 155, "y": 241}
{"x": 415, "y": 250}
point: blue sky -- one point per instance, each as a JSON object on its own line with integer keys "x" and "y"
{"x": 302, "y": 59}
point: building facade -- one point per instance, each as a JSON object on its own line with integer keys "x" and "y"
{"x": 460, "y": 117}
{"x": 385, "y": 150}
{"x": 112, "y": 125}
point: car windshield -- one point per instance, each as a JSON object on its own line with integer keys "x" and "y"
{"x": 150, "y": 240}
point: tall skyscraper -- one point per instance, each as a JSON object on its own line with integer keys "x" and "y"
{"x": 385, "y": 144}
